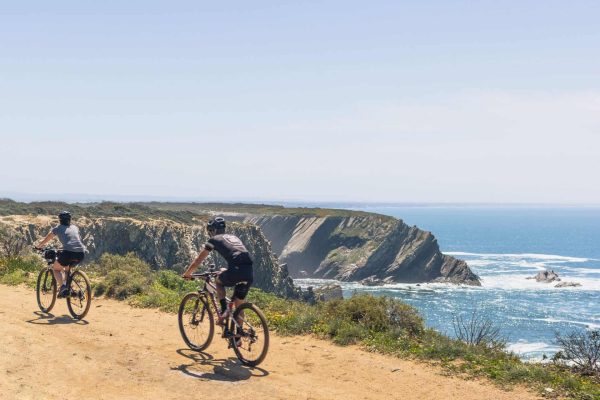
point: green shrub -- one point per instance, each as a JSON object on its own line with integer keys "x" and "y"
{"x": 165, "y": 293}
{"x": 29, "y": 263}
{"x": 173, "y": 281}
{"x": 375, "y": 314}
{"x": 15, "y": 277}
{"x": 22, "y": 269}
{"x": 128, "y": 263}
{"x": 345, "y": 332}
{"x": 122, "y": 284}
{"x": 121, "y": 276}
{"x": 158, "y": 296}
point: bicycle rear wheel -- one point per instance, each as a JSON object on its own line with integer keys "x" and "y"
{"x": 80, "y": 298}
{"x": 45, "y": 291}
{"x": 196, "y": 322}
{"x": 251, "y": 339}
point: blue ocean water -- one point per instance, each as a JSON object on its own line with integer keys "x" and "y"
{"x": 504, "y": 246}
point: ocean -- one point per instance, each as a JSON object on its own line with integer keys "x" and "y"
{"x": 504, "y": 246}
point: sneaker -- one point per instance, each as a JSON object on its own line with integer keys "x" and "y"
{"x": 238, "y": 343}
{"x": 63, "y": 291}
{"x": 223, "y": 318}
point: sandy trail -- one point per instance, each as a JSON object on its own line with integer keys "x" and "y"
{"x": 125, "y": 353}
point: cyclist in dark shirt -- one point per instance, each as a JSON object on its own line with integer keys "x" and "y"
{"x": 239, "y": 264}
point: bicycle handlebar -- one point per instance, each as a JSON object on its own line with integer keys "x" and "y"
{"x": 41, "y": 250}
{"x": 204, "y": 274}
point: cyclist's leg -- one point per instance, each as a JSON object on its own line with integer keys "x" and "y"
{"x": 221, "y": 294}
{"x": 240, "y": 291}
{"x": 243, "y": 281}
{"x": 73, "y": 260}
{"x": 58, "y": 268}
{"x": 65, "y": 260}
{"x": 222, "y": 281}
{"x": 239, "y": 297}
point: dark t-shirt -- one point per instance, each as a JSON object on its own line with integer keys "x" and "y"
{"x": 231, "y": 248}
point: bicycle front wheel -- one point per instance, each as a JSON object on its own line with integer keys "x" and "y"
{"x": 80, "y": 298}
{"x": 45, "y": 291}
{"x": 196, "y": 323}
{"x": 250, "y": 340}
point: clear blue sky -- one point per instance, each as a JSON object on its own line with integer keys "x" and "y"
{"x": 358, "y": 101}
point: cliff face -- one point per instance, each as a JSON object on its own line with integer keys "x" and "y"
{"x": 351, "y": 248}
{"x": 163, "y": 244}
{"x": 314, "y": 242}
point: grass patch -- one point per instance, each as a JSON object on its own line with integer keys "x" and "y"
{"x": 20, "y": 270}
{"x": 15, "y": 278}
{"x": 120, "y": 276}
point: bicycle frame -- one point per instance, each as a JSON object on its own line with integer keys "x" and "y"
{"x": 209, "y": 290}
{"x": 245, "y": 332}
{"x": 69, "y": 271}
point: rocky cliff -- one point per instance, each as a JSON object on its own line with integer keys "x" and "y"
{"x": 355, "y": 247}
{"x": 314, "y": 242}
{"x": 163, "y": 243}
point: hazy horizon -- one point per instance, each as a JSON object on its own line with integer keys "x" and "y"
{"x": 97, "y": 198}
{"x": 428, "y": 102}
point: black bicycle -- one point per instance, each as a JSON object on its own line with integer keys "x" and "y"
{"x": 79, "y": 295}
{"x": 244, "y": 328}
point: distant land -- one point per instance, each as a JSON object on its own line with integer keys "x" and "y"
{"x": 349, "y": 204}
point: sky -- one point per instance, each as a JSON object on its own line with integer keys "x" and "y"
{"x": 381, "y": 101}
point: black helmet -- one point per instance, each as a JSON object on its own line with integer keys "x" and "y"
{"x": 64, "y": 217}
{"x": 216, "y": 225}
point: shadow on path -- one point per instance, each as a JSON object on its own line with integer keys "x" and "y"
{"x": 227, "y": 370}
{"x": 51, "y": 319}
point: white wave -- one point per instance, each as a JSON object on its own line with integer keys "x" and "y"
{"x": 481, "y": 263}
{"x": 520, "y": 282}
{"x": 588, "y": 325}
{"x": 507, "y": 271}
{"x": 547, "y": 257}
{"x": 581, "y": 271}
{"x": 400, "y": 287}
{"x": 503, "y": 281}
{"x": 523, "y": 347}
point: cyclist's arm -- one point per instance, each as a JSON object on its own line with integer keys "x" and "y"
{"x": 194, "y": 265}
{"x": 48, "y": 238}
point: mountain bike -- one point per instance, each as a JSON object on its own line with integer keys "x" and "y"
{"x": 79, "y": 295}
{"x": 244, "y": 328}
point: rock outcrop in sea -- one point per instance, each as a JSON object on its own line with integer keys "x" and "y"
{"x": 546, "y": 277}
{"x": 567, "y": 284}
{"x": 329, "y": 292}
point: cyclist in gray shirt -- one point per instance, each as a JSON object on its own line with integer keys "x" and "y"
{"x": 72, "y": 252}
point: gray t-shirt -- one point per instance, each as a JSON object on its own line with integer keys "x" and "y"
{"x": 69, "y": 238}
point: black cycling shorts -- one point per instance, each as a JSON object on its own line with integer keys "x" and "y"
{"x": 70, "y": 258}
{"x": 240, "y": 277}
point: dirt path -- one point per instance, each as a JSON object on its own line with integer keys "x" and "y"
{"x": 126, "y": 353}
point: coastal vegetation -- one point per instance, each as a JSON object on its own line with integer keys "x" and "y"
{"x": 261, "y": 209}
{"x": 180, "y": 212}
{"x": 97, "y": 210}
{"x": 378, "y": 324}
